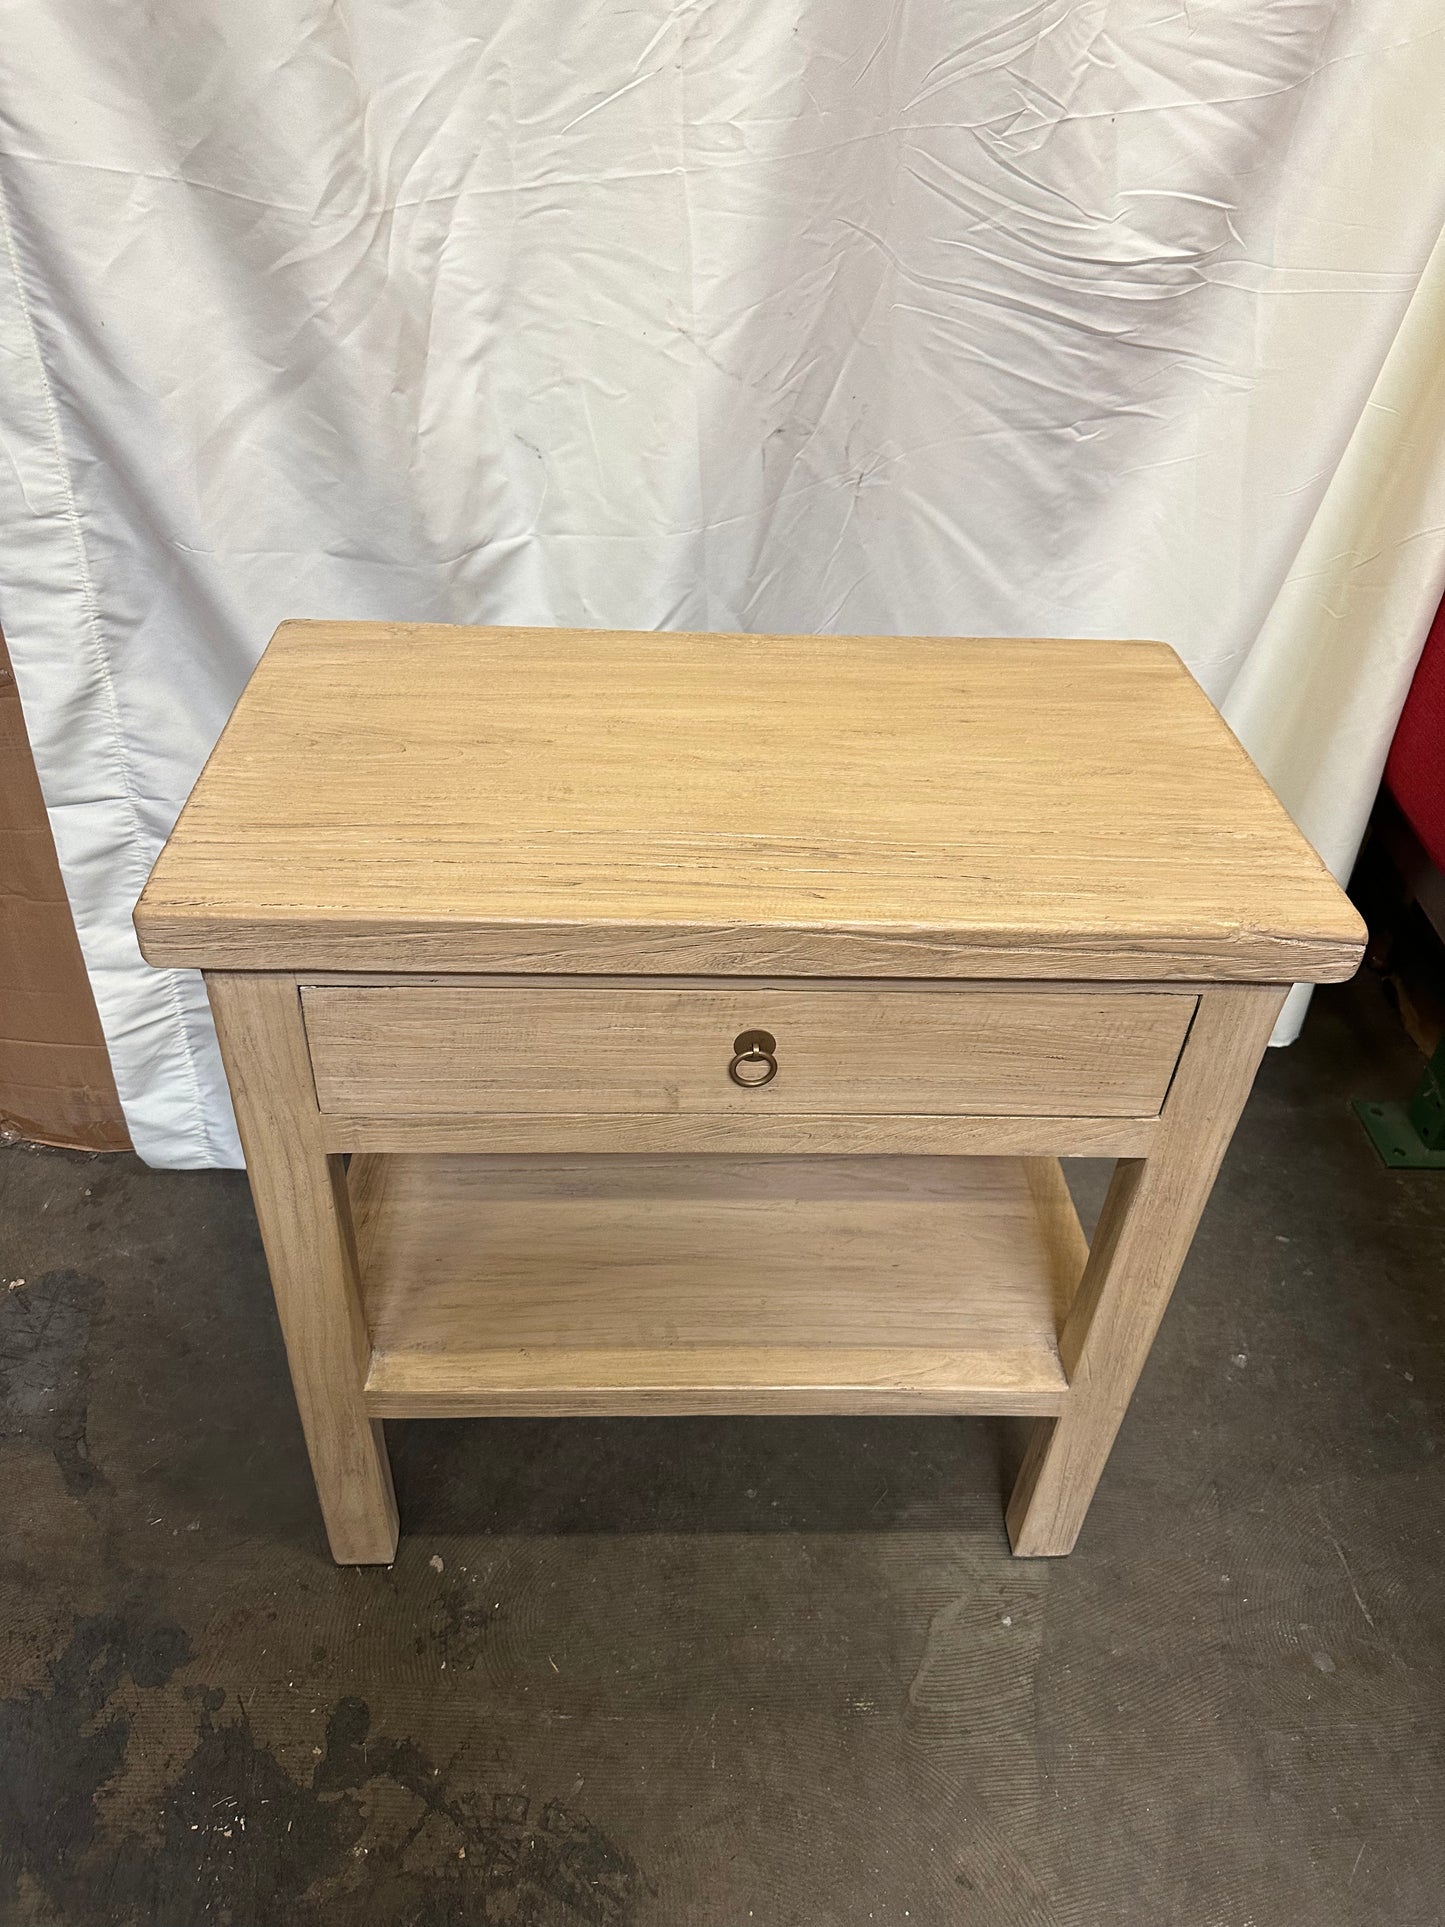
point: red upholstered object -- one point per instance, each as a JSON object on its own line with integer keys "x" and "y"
{"x": 1415, "y": 769}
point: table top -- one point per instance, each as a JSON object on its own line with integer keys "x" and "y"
{"x": 407, "y": 797}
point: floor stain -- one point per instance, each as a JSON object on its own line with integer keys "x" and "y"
{"x": 459, "y": 1623}
{"x": 45, "y": 1370}
{"x": 60, "y": 1745}
{"x": 238, "y": 1837}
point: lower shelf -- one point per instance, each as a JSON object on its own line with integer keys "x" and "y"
{"x": 557, "y": 1285}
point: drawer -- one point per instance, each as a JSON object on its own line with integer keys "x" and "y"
{"x": 465, "y": 1049}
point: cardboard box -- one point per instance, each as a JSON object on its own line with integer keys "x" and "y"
{"x": 56, "y": 1085}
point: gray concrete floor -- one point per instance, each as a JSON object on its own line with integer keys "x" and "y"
{"x": 678, "y": 1672}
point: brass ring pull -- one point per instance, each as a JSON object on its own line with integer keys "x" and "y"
{"x": 753, "y": 1061}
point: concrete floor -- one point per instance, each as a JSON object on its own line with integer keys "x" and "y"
{"x": 707, "y": 1672}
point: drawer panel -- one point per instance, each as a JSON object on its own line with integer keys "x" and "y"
{"x": 454, "y": 1050}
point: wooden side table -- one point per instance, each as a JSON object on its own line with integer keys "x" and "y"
{"x": 662, "y": 1023}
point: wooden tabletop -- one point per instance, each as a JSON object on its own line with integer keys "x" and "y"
{"x": 393, "y": 796}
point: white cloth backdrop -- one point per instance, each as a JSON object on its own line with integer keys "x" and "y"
{"x": 1105, "y": 318}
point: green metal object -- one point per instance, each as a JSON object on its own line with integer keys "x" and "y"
{"x": 1411, "y": 1136}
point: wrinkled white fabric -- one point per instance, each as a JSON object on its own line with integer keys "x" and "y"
{"x": 958, "y": 317}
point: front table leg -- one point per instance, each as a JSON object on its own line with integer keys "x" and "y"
{"x": 305, "y": 1216}
{"x": 1149, "y": 1217}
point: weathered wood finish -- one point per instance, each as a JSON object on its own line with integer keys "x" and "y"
{"x": 304, "y": 1212}
{"x": 531, "y": 883}
{"x": 714, "y": 1284}
{"x": 1148, "y": 1221}
{"x": 389, "y": 796}
{"x": 520, "y": 1050}
{"x": 819, "y": 1135}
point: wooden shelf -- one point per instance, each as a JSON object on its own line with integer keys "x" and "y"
{"x": 555, "y": 1285}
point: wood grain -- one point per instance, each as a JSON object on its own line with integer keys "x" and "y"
{"x": 304, "y": 1211}
{"x": 1028, "y": 840}
{"x": 396, "y": 796}
{"x": 1145, "y": 1228}
{"x": 544, "y": 1285}
{"x": 465, "y": 1052}
{"x": 1066, "y": 1247}
{"x": 743, "y": 1136}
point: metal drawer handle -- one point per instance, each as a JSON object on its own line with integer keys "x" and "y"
{"x": 753, "y": 1060}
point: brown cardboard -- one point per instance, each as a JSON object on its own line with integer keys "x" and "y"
{"x": 56, "y": 1085}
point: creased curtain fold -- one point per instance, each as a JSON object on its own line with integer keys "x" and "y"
{"x": 967, "y": 317}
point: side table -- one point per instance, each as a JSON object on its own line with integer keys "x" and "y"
{"x": 657, "y": 1023}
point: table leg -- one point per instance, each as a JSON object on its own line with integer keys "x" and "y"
{"x": 305, "y": 1217}
{"x": 1149, "y": 1217}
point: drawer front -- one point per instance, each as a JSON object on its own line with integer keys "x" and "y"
{"x": 439, "y": 1050}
